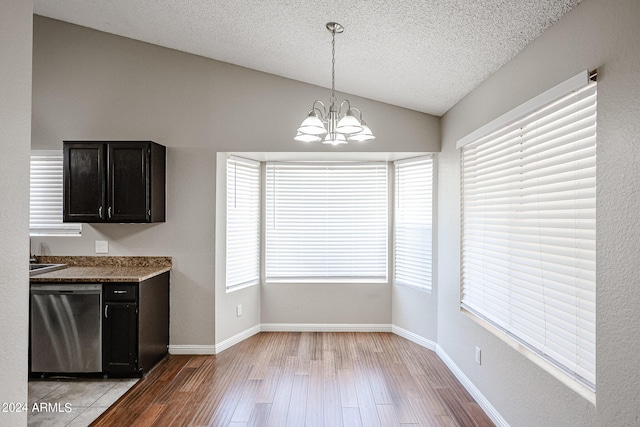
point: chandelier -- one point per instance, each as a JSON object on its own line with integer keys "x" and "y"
{"x": 339, "y": 124}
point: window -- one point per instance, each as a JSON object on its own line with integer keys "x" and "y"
{"x": 326, "y": 221}
{"x": 413, "y": 218}
{"x": 46, "y": 196}
{"x": 243, "y": 223}
{"x": 528, "y": 230}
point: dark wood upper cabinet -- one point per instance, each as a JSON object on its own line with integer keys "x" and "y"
{"x": 108, "y": 181}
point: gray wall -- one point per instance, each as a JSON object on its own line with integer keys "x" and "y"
{"x": 92, "y": 85}
{"x": 595, "y": 34}
{"x": 15, "y": 141}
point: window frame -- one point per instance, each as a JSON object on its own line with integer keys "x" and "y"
{"x": 484, "y": 307}
{"x": 236, "y": 227}
{"x": 317, "y": 165}
{"x": 412, "y": 275}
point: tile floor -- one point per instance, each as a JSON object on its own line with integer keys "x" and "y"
{"x": 73, "y": 402}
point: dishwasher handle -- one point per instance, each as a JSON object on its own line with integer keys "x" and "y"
{"x": 66, "y": 289}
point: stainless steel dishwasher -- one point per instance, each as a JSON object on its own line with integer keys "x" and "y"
{"x": 66, "y": 328}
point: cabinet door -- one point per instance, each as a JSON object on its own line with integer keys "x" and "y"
{"x": 128, "y": 197}
{"x": 120, "y": 338}
{"x": 84, "y": 190}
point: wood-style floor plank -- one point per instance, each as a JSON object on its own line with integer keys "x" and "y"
{"x": 388, "y": 416}
{"x": 332, "y": 407}
{"x": 298, "y": 402}
{"x": 313, "y": 379}
{"x": 247, "y": 402}
{"x": 351, "y": 417}
{"x": 280, "y": 406}
{"x": 260, "y": 415}
{"x": 314, "y": 404}
{"x": 366, "y": 401}
{"x": 348, "y": 396}
{"x": 269, "y": 385}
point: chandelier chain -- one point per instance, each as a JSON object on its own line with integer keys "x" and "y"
{"x": 333, "y": 67}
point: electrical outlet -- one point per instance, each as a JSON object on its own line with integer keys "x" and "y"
{"x": 478, "y": 356}
{"x": 239, "y": 310}
{"x": 102, "y": 247}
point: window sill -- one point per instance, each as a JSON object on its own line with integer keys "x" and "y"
{"x": 240, "y": 287}
{"x": 51, "y": 234}
{"x": 567, "y": 380}
{"x": 415, "y": 287}
{"x": 327, "y": 281}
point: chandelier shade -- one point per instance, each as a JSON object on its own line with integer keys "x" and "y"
{"x": 305, "y": 137}
{"x": 348, "y": 124}
{"x": 340, "y": 125}
{"x": 335, "y": 139}
{"x": 312, "y": 125}
{"x": 364, "y": 135}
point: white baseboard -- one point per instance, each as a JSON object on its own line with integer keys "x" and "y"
{"x": 324, "y": 327}
{"x": 192, "y": 349}
{"x": 472, "y": 389}
{"x": 413, "y": 337}
{"x": 229, "y": 342}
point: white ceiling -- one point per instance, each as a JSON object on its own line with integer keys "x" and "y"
{"x": 423, "y": 55}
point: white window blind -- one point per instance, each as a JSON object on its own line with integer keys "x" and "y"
{"x": 529, "y": 230}
{"x": 413, "y": 222}
{"x": 326, "y": 221}
{"x": 243, "y": 222}
{"x": 46, "y": 197}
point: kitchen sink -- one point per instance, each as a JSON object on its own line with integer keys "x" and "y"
{"x": 42, "y": 268}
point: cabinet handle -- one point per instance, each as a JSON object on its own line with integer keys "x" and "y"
{"x": 100, "y": 211}
{"x": 106, "y": 311}
{"x": 109, "y": 212}
{"x": 119, "y": 292}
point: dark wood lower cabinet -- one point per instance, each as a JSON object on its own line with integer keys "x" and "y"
{"x": 135, "y": 325}
{"x": 120, "y": 338}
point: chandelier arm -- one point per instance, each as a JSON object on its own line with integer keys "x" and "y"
{"x": 356, "y": 109}
{"x": 322, "y": 112}
{"x": 348, "y": 106}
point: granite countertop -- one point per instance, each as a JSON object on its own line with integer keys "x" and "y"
{"x": 81, "y": 269}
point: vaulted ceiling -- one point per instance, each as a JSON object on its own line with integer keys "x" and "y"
{"x": 423, "y": 55}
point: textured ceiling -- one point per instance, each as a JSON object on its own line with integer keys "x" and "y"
{"x": 421, "y": 54}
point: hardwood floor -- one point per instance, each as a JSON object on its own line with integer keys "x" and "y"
{"x": 285, "y": 379}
